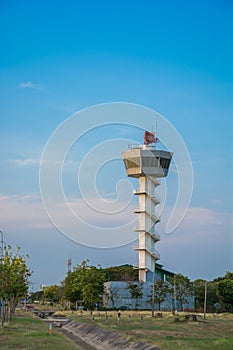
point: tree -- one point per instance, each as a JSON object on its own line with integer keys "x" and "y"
{"x": 52, "y": 293}
{"x": 161, "y": 289}
{"x": 228, "y": 276}
{"x": 121, "y": 273}
{"x": 14, "y": 281}
{"x": 87, "y": 282}
{"x": 136, "y": 292}
{"x": 112, "y": 294}
{"x": 183, "y": 288}
{"x": 72, "y": 290}
{"x": 225, "y": 290}
{"x": 199, "y": 292}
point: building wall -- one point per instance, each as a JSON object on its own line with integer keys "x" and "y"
{"x": 123, "y": 300}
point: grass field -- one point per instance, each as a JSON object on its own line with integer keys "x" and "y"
{"x": 215, "y": 333}
{"x": 28, "y": 333}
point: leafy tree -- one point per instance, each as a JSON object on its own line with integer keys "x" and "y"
{"x": 228, "y": 276}
{"x": 37, "y": 296}
{"x": 87, "y": 282}
{"x": 121, "y": 273}
{"x": 72, "y": 290}
{"x": 199, "y": 291}
{"x": 161, "y": 289}
{"x": 112, "y": 294}
{"x": 14, "y": 281}
{"x": 52, "y": 293}
{"x": 225, "y": 291}
{"x": 183, "y": 288}
{"x": 136, "y": 292}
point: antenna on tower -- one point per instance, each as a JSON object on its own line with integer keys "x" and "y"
{"x": 69, "y": 265}
{"x": 156, "y": 126}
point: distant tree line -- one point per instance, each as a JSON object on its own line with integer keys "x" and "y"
{"x": 219, "y": 293}
{"x": 84, "y": 285}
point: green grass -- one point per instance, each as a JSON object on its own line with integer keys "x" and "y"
{"x": 28, "y": 333}
{"x": 213, "y": 333}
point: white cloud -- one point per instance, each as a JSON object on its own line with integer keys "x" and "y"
{"x": 97, "y": 211}
{"x": 24, "y": 161}
{"x": 30, "y": 85}
{"x": 66, "y": 165}
{"x": 197, "y": 217}
{"x": 200, "y": 224}
{"x": 216, "y": 201}
{"x": 203, "y": 217}
{"x": 201, "y": 247}
{"x": 203, "y": 236}
{"x": 93, "y": 223}
{"x": 27, "y": 211}
{"x": 22, "y": 212}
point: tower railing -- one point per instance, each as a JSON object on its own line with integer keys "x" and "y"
{"x": 152, "y": 252}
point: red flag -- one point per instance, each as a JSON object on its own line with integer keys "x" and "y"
{"x": 149, "y": 137}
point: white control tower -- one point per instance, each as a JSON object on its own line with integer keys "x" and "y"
{"x": 147, "y": 164}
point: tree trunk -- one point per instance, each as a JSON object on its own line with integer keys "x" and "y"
{"x": 7, "y": 311}
{"x": 13, "y": 304}
{"x": 4, "y": 312}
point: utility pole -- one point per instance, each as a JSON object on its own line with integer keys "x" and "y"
{"x": 175, "y": 300}
{"x": 153, "y": 293}
{"x": 69, "y": 265}
{"x": 205, "y": 299}
{"x": 2, "y": 246}
{"x": 1, "y": 261}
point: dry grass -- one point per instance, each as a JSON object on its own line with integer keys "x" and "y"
{"x": 213, "y": 333}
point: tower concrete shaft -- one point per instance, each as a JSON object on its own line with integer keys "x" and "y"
{"x": 147, "y": 221}
{"x": 147, "y": 164}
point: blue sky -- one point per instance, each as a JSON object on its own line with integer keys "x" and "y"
{"x": 174, "y": 57}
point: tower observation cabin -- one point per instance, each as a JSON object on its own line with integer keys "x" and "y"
{"x": 147, "y": 164}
